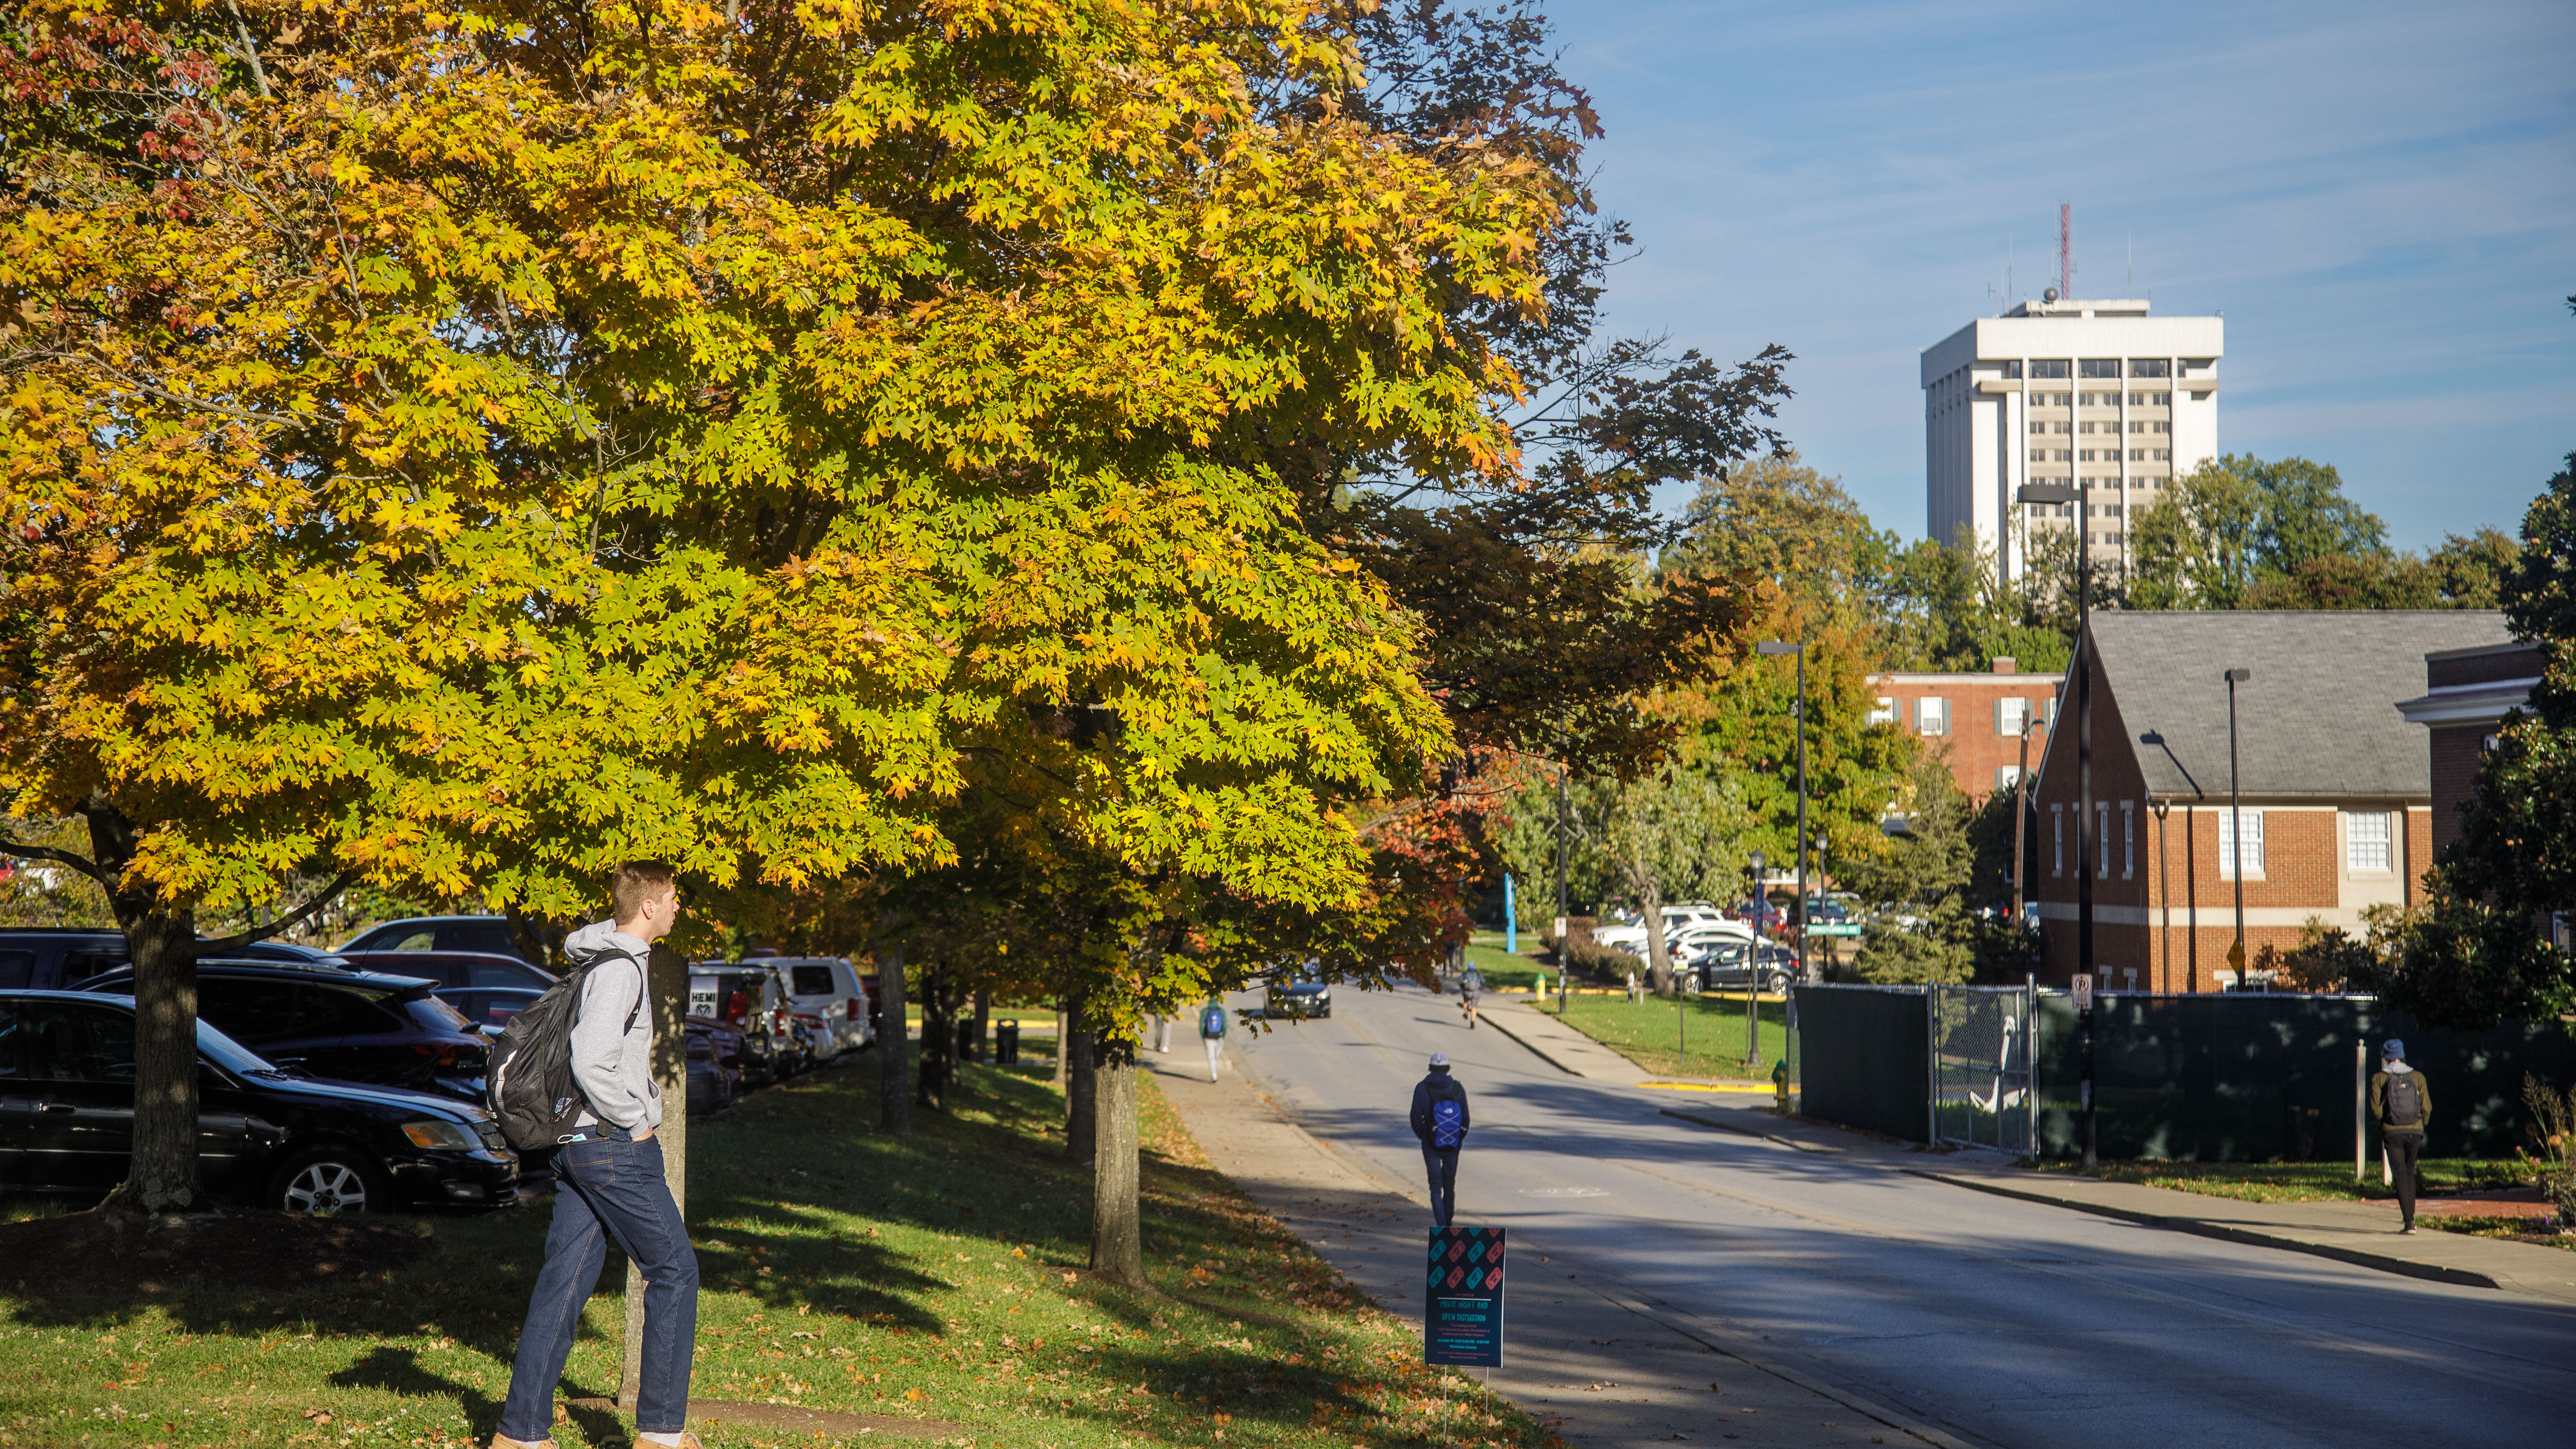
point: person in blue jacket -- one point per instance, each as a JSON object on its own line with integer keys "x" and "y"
{"x": 1440, "y": 1120}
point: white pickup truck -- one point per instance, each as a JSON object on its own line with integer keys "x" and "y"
{"x": 1682, "y": 920}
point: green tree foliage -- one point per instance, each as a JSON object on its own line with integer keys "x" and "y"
{"x": 2477, "y": 952}
{"x": 1924, "y": 876}
{"x": 1815, "y": 559}
{"x": 2242, "y": 533}
{"x": 1945, "y": 608}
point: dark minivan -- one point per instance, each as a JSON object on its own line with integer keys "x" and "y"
{"x": 264, "y": 1134}
{"x": 353, "y": 1026}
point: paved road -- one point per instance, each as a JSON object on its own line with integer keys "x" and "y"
{"x": 1826, "y": 1283}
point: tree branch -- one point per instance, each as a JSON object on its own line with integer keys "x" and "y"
{"x": 296, "y": 918}
{"x": 60, "y": 857}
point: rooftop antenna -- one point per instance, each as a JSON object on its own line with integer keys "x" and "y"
{"x": 2065, "y": 251}
{"x": 2133, "y": 266}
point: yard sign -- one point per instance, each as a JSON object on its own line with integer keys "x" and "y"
{"x": 1462, "y": 1310}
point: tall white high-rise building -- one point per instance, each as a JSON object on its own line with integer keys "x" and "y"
{"x": 2098, "y": 395}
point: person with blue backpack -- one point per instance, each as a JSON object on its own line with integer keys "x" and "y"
{"x": 1212, "y": 1031}
{"x": 1440, "y": 1120}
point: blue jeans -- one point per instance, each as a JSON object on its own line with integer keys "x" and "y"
{"x": 608, "y": 1187}
{"x": 1442, "y": 1164}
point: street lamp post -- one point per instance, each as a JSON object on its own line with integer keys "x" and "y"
{"x": 2061, "y": 493}
{"x": 1564, "y": 925}
{"x": 1753, "y": 977}
{"x": 2236, "y": 827}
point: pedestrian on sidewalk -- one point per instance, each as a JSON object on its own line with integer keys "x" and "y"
{"x": 1163, "y": 1033}
{"x": 1212, "y": 1031}
{"x": 2401, "y": 1104}
{"x": 1471, "y": 984}
{"x": 1440, "y": 1120}
{"x": 609, "y": 1181}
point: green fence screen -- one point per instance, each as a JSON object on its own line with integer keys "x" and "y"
{"x": 1861, "y": 1058}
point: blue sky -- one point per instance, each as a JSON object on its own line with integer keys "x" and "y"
{"x": 2380, "y": 197}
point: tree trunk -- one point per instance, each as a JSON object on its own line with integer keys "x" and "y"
{"x": 983, "y": 1025}
{"x": 938, "y": 1041}
{"x": 1081, "y": 1115}
{"x": 669, "y": 984}
{"x": 1659, "y": 956}
{"x": 894, "y": 1042}
{"x": 1061, "y": 1038}
{"x": 162, "y": 1175}
{"x": 1117, "y": 1235}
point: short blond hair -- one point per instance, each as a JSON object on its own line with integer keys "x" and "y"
{"x": 635, "y": 881}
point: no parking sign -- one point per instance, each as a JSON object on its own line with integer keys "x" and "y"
{"x": 1462, "y": 1310}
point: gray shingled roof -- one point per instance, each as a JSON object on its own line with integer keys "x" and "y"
{"x": 2319, "y": 716}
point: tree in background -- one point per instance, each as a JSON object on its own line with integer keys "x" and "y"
{"x": 2238, "y": 532}
{"x": 2477, "y": 951}
{"x": 1944, "y": 608}
{"x": 1920, "y": 886}
{"x": 1674, "y": 835}
{"x": 1815, "y": 557}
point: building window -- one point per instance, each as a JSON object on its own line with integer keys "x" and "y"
{"x": 2098, "y": 367}
{"x": 2012, "y": 717}
{"x": 2065, "y": 455}
{"x": 2039, "y": 427}
{"x": 2088, "y": 427}
{"x": 2102, "y": 861}
{"x": 2150, "y": 367}
{"x": 2007, "y": 776}
{"x": 2055, "y": 368}
{"x": 2060, "y": 399}
{"x": 2084, "y": 455}
{"x": 2039, "y": 455}
{"x": 1932, "y": 716}
{"x": 2161, "y": 455}
{"x": 2366, "y": 841}
{"x": 2128, "y": 840}
{"x": 2227, "y": 841}
{"x": 2061, "y": 427}
{"x": 2012, "y": 369}
{"x": 1884, "y": 712}
{"x": 2057, "y": 827}
{"x": 2048, "y": 713}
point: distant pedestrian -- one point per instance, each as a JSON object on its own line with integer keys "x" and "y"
{"x": 1163, "y": 1033}
{"x": 609, "y": 1181}
{"x": 1212, "y": 1031}
{"x": 1471, "y": 984}
{"x": 1440, "y": 1120}
{"x": 2401, "y": 1104}
{"x": 1632, "y": 987}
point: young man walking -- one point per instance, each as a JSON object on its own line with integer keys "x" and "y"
{"x": 1471, "y": 984}
{"x": 1212, "y": 1031}
{"x": 2401, "y": 1104}
{"x": 609, "y": 1182}
{"x": 1440, "y": 1120}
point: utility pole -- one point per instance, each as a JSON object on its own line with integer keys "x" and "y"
{"x": 2021, "y": 811}
{"x": 2060, "y": 493}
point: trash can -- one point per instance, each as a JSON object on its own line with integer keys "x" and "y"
{"x": 969, "y": 1045}
{"x": 1006, "y": 1043}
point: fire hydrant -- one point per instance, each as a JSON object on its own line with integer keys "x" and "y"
{"x": 1780, "y": 1085}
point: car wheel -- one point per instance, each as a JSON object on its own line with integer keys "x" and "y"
{"x": 1777, "y": 985}
{"x": 330, "y": 1180}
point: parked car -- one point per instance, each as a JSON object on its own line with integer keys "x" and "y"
{"x": 1727, "y": 965}
{"x": 715, "y": 1066}
{"x": 288, "y": 953}
{"x": 347, "y": 1026}
{"x": 454, "y": 968}
{"x": 1685, "y": 945}
{"x": 829, "y": 987}
{"x": 1630, "y": 936}
{"x": 752, "y": 999}
{"x": 1297, "y": 992}
{"x": 489, "y": 1007}
{"x": 822, "y": 1043}
{"x": 441, "y": 933}
{"x": 45, "y": 959}
{"x": 265, "y": 1135}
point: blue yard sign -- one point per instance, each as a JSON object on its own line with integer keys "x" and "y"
{"x": 1462, "y": 1310}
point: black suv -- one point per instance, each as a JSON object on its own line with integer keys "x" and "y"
{"x": 47, "y": 960}
{"x": 353, "y": 1026}
{"x": 265, "y": 1135}
{"x": 1728, "y": 965}
{"x": 441, "y": 933}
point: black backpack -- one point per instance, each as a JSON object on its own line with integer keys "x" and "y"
{"x": 530, "y": 1087}
{"x": 2405, "y": 1100}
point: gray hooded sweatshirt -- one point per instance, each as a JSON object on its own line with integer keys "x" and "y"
{"x": 612, "y": 1063}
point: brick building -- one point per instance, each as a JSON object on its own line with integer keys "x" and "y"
{"x": 2336, "y": 785}
{"x": 1978, "y": 718}
{"x": 2467, "y": 693}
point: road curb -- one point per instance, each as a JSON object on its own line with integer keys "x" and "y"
{"x": 2201, "y": 1227}
{"x": 1495, "y": 1020}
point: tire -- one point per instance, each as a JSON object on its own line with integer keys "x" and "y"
{"x": 329, "y": 1180}
{"x": 1776, "y": 985}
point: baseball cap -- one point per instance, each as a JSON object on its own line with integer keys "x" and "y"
{"x": 1440, "y": 1060}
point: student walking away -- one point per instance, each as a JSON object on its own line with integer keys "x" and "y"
{"x": 1212, "y": 1031}
{"x": 608, "y": 1173}
{"x": 1163, "y": 1033}
{"x": 1471, "y": 984}
{"x": 1440, "y": 1120}
{"x": 2401, "y": 1104}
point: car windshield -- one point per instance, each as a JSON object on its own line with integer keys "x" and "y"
{"x": 229, "y": 1054}
{"x": 431, "y": 1012}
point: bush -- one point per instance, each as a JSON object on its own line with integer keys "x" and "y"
{"x": 1600, "y": 960}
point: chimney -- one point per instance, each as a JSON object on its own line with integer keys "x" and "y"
{"x": 2006, "y": 664}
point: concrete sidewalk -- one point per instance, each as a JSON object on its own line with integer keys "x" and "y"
{"x": 2362, "y": 1233}
{"x": 1559, "y": 1045}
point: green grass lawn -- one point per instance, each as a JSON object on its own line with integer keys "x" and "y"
{"x": 1503, "y": 970}
{"x": 2302, "y": 1181}
{"x": 1652, "y": 1033}
{"x": 844, "y": 1270}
